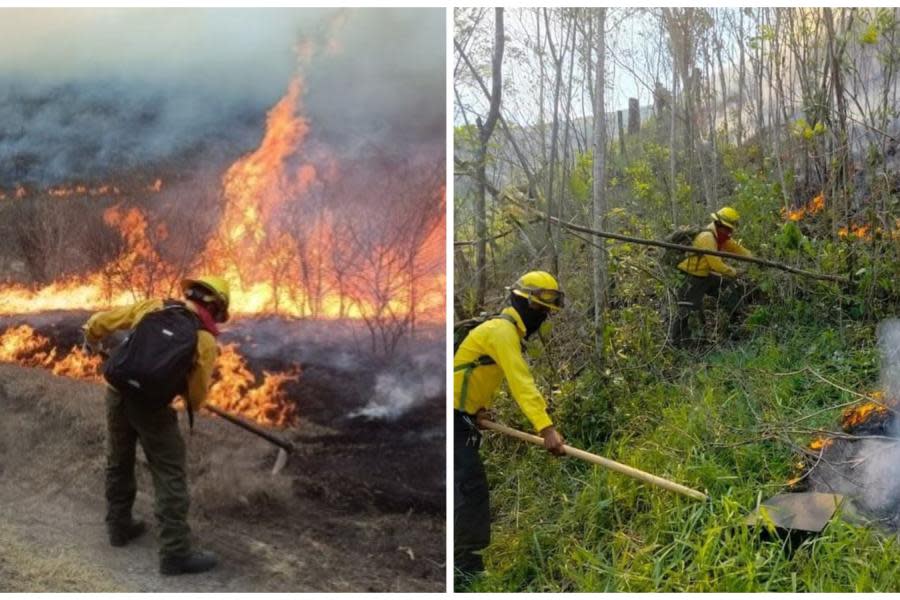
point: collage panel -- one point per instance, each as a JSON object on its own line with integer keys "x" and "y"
{"x": 222, "y": 300}
{"x": 676, "y": 338}
{"x": 227, "y": 296}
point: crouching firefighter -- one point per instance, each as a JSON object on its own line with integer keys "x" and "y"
{"x": 708, "y": 275}
{"x": 171, "y": 350}
{"x": 487, "y": 353}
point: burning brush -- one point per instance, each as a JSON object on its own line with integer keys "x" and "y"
{"x": 859, "y": 468}
{"x": 235, "y": 388}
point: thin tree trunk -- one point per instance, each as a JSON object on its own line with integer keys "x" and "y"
{"x": 672, "y": 183}
{"x": 484, "y": 135}
{"x": 554, "y": 150}
{"x": 741, "y": 81}
{"x": 599, "y": 186}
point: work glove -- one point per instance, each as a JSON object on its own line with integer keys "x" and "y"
{"x": 483, "y": 414}
{"x": 553, "y": 441}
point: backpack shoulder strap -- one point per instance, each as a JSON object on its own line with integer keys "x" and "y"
{"x": 481, "y": 361}
{"x": 485, "y": 359}
{"x": 178, "y": 305}
{"x": 507, "y": 318}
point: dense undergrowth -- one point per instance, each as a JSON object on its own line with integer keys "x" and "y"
{"x": 724, "y": 423}
{"x": 726, "y": 416}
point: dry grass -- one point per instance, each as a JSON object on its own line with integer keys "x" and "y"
{"x": 24, "y": 568}
{"x": 229, "y": 480}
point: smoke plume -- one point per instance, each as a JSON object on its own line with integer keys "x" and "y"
{"x": 889, "y": 345}
{"x": 866, "y": 470}
{"x": 88, "y": 94}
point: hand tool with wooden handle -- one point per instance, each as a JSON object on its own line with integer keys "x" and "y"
{"x": 598, "y": 460}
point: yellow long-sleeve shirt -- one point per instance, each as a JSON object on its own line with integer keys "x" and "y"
{"x": 701, "y": 265}
{"x": 104, "y": 323}
{"x": 502, "y": 341}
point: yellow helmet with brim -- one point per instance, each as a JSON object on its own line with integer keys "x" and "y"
{"x": 727, "y": 216}
{"x": 218, "y": 288}
{"x": 541, "y": 288}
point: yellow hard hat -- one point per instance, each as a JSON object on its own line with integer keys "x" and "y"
{"x": 727, "y": 216}
{"x": 218, "y": 286}
{"x": 541, "y": 288}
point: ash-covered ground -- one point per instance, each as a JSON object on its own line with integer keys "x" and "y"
{"x": 359, "y": 507}
{"x": 381, "y": 421}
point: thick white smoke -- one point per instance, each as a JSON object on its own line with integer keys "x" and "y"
{"x": 889, "y": 345}
{"x": 406, "y": 386}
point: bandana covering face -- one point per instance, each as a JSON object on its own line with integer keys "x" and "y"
{"x": 723, "y": 234}
{"x": 532, "y": 318}
{"x": 206, "y": 319}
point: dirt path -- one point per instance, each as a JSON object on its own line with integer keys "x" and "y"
{"x": 285, "y": 534}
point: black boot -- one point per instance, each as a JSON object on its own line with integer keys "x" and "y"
{"x": 121, "y": 535}
{"x": 195, "y": 562}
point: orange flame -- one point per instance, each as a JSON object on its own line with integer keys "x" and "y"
{"x": 234, "y": 391}
{"x": 860, "y": 232}
{"x": 820, "y": 443}
{"x": 814, "y": 206}
{"x": 235, "y": 388}
{"x": 78, "y": 365}
{"x": 21, "y": 345}
{"x": 253, "y": 248}
{"x": 855, "y": 416}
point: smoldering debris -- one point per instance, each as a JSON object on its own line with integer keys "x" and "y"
{"x": 864, "y": 465}
{"x": 373, "y": 387}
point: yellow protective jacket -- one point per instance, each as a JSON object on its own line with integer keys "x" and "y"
{"x": 701, "y": 265}
{"x": 104, "y": 323}
{"x": 501, "y": 340}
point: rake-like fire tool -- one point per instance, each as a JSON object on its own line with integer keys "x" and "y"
{"x": 598, "y": 460}
{"x": 284, "y": 446}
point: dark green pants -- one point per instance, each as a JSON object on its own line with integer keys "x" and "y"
{"x": 471, "y": 499}
{"x": 129, "y": 421}
{"x": 729, "y": 294}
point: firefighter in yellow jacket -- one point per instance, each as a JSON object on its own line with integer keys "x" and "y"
{"x": 489, "y": 353}
{"x": 708, "y": 275}
{"x": 130, "y": 419}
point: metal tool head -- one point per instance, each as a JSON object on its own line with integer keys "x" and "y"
{"x": 280, "y": 461}
{"x": 802, "y": 511}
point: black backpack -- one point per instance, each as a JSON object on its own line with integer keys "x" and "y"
{"x": 462, "y": 329}
{"x": 155, "y": 360}
{"x": 683, "y": 236}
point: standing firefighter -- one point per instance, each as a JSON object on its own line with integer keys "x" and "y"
{"x": 708, "y": 275}
{"x": 489, "y": 352}
{"x": 170, "y": 350}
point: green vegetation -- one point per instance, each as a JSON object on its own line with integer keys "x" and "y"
{"x": 722, "y": 423}
{"x": 730, "y": 414}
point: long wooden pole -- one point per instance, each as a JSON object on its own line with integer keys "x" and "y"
{"x": 599, "y": 460}
{"x": 636, "y": 240}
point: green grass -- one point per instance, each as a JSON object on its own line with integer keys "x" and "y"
{"x": 723, "y": 424}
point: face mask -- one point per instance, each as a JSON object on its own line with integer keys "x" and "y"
{"x": 533, "y": 318}
{"x": 723, "y": 234}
